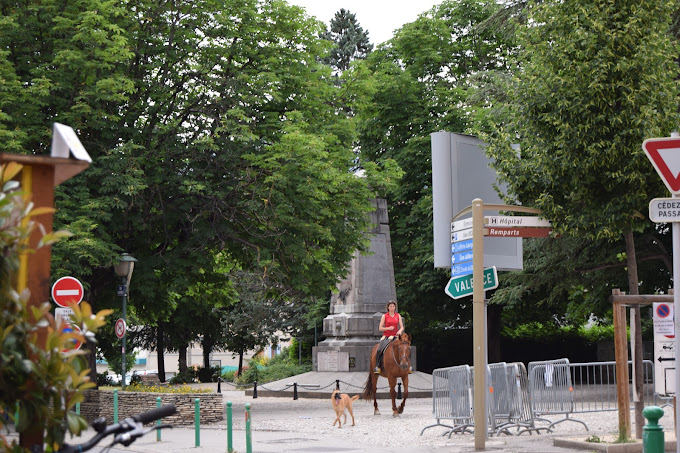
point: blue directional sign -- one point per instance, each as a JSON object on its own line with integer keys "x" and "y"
{"x": 457, "y": 258}
{"x": 458, "y": 270}
{"x": 461, "y": 246}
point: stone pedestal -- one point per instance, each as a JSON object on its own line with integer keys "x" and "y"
{"x": 351, "y": 329}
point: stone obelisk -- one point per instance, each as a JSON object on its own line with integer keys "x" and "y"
{"x": 351, "y": 328}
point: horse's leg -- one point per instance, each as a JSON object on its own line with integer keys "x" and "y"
{"x": 393, "y": 393}
{"x": 404, "y": 379}
{"x": 374, "y": 383}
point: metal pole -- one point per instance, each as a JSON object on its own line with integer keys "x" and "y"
{"x": 479, "y": 323}
{"x": 158, "y": 422}
{"x": 230, "y": 434}
{"x": 676, "y": 305}
{"x": 249, "y": 438}
{"x": 124, "y": 280}
{"x": 197, "y": 421}
{"x": 115, "y": 405}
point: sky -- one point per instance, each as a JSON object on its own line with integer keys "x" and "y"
{"x": 379, "y": 17}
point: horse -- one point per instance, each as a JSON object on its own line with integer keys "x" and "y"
{"x": 396, "y": 364}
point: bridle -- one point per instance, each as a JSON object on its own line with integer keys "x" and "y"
{"x": 404, "y": 355}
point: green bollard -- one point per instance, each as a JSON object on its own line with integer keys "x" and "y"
{"x": 652, "y": 432}
{"x": 197, "y": 421}
{"x": 230, "y": 434}
{"x": 249, "y": 439}
{"x": 115, "y": 405}
{"x": 158, "y": 422}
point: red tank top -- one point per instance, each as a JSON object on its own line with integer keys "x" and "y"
{"x": 391, "y": 321}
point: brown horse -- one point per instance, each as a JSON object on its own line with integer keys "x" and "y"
{"x": 396, "y": 364}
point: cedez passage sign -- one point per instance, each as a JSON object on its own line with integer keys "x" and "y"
{"x": 663, "y": 210}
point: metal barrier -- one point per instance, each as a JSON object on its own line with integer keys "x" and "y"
{"x": 452, "y": 398}
{"x": 551, "y": 390}
{"x": 520, "y": 399}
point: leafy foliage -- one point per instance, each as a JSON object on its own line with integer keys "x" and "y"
{"x": 40, "y": 372}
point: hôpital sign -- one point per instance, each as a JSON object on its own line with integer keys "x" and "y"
{"x": 664, "y": 153}
{"x": 67, "y": 291}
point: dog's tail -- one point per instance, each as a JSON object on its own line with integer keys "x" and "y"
{"x": 355, "y": 397}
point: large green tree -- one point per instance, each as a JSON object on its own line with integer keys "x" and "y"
{"x": 420, "y": 82}
{"x": 594, "y": 80}
{"x": 211, "y": 127}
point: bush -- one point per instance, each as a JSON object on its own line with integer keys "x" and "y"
{"x": 184, "y": 377}
{"x": 280, "y": 367}
{"x": 209, "y": 374}
{"x": 104, "y": 380}
{"x": 229, "y": 375}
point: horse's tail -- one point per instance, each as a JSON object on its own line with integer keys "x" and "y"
{"x": 368, "y": 389}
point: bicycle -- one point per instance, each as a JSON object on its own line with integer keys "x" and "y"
{"x": 124, "y": 432}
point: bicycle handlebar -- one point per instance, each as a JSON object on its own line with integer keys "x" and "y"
{"x": 126, "y": 431}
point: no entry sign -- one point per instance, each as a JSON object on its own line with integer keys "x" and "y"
{"x": 67, "y": 291}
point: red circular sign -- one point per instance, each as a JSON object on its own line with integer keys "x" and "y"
{"x": 120, "y": 328}
{"x": 74, "y": 343}
{"x": 67, "y": 291}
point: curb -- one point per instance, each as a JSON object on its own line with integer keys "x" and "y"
{"x": 633, "y": 447}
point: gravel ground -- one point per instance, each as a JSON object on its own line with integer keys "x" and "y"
{"x": 314, "y": 417}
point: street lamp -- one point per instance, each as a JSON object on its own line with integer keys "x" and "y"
{"x": 124, "y": 269}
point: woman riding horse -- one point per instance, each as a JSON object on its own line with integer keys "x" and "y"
{"x": 396, "y": 364}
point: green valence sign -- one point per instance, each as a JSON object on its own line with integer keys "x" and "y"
{"x": 462, "y": 286}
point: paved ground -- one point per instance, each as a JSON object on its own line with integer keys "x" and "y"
{"x": 282, "y": 424}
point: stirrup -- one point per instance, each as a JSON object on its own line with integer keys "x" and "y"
{"x": 376, "y": 370}
{"x": 410, "y": 370}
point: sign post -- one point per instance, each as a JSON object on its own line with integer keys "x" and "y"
{"x": 664, "y": 154}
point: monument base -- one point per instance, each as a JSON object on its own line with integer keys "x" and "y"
{"x": 347, "y": 355}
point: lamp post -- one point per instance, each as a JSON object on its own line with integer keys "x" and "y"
{"x": 124, "y": 269}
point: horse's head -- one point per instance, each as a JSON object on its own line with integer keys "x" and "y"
{"x": 403, "y": 347}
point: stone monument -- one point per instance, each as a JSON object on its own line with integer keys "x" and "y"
{"x": 351, "y": 328}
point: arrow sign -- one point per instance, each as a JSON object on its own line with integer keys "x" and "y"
{"x": 664, "y": 153}
{"x": 462, "y": 286}
{"x": 666, "y": 359}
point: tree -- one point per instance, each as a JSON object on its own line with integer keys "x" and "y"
{"x": 595, "y": 79}
{"x": 210, "y": 128}
{"x": 419, "y": 83}
{"x": 350, "y": 41}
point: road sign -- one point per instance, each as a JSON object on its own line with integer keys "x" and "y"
{"x": 64, "y": 314}
{"x": 520, "y": 232}
{"x": 515, "y": 221}
{"x": 664, "y": 348}
{"x": 462, "y": 286}
{"x": 664, "y": 153}
{"x": 67, "y": 291}
{"x": 461, "y": 235}
{"x": 461, "y": 246}
{"x": 458, "y": 270}
{"x": 121, "y": 327}
{"x": 461, "y": 257}
{"x": 662, "y": 210}
{"x": 461, "y": 225}
{"x": 74, "y": 342}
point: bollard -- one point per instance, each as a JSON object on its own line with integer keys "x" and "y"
{"x": 158, "y": 422}
{"x": 337, "y": 384}
{"x": 230, "y": 438}
{"x": 399, "y": 390}
{"x": 219, "y": 381}
{"x": 77, "y": 408}
{"x": 255, "y": 389}
{"x": 197, "y": 421}
{"x": 249, "y": 439}
{"x": 115, "y": 405}
{"x": 652, "y": 432}
{"x": 295, "y": 395}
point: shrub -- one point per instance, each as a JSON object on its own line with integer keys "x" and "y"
{"x": 184, "y": 377}
{"x": 229, "y": 375}
{"x": 209, "y": 374}
{"x": 104, "y": 380}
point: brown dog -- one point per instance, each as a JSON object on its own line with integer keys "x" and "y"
{"x": 342, "y": 401}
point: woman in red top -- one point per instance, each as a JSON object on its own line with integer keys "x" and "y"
{"x": 392, "y": 325}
